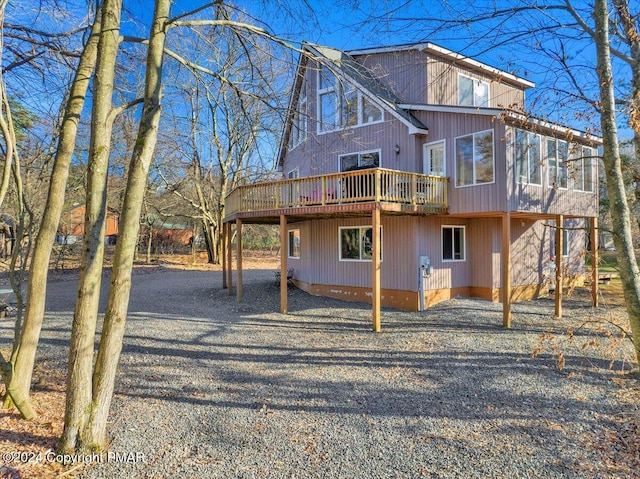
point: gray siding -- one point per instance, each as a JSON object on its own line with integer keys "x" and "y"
{"x": 404, "y": 73}
{"x": 405, "y": 239}
{"x": 320, "y": 262}
{"x": 443, "y": 86}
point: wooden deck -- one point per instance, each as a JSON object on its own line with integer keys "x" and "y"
{"x": 348, "y": 194}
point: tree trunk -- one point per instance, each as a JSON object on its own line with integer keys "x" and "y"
{"x": 620, "y": 217}
{"x": 79, "y": 390}
{"x": 26, "y": 353}
{"x": 116, "y": 314}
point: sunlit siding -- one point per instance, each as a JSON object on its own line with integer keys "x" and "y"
{"x": 404, "y": 73}
{"x": 449, "y": 126}
{"x": 442, "y": 77}
{"x": 319, "y": 154}
{"x": 544, "y": 198}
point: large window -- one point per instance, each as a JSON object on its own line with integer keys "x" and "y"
{"x": 474, "y": 159}
{"x": 341, "y": 105}
{"x": 352, "y": 161}
{"x": 299, "y": 129}
{"x": 472, "y": 92}
{"x": 583, "y": 165}
{"x": 294, "y": 243}
{"x": 356, "y": 243}
{"x": 557, "y": 154}
{"x": 527, "y": 157}
{"x": 453, "y": 247}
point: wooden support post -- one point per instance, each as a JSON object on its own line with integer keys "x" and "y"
{"x": 375, "y": 269}
{"x": 223, "y": 253}
{"x": 506, "y": 270}
{"x": 229, "y": 260}
{"x": 594, "y": 261}
{"x": 559, "y": 265}
{"x": 284, "y": 302}
{"x": 239, "y": 258}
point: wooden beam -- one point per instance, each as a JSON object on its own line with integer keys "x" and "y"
{"x": 284, "y": 302}
{"x": 229, "y": 260}
{"x": 559, "y": 265}
{"x": 223, "y": 253}
{"x": 506, "y": 269}
{"x": 594, "y": 261}
{"x": 239, "y": 258}
{"x": 375, "y": 269}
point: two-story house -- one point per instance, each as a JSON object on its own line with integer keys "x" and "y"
{"x": 411, "y": 175}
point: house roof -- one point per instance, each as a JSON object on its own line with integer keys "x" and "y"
{"x": 510, "y": 116}
{"x": 345, "y": 65}
{"x": 438, "y": 51}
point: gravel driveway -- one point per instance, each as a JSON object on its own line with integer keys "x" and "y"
{"x": 212, "y": 388}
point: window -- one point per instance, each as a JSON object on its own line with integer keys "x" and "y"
{"x": 434, "y": 159}
{"x": 453, "y": 247}
{"x": 293, "y": 174}
{"x": 472, "y": 92}
{"x": 352, "y": 161}
{"x": 557, "y": 154}
{"x": 356, "y": 244}
{"x": 565, "y": 242}
{"x": 299, "y": 130}
{"x": 294, "y": 244}
{"x": 527, "y": 157}
{"x": 474, "y": 159}
{"x": 341, "y": 105}
{"x": 584, "y": 170}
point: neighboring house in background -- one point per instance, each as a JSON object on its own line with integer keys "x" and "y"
{"x": 71, "y": 229}
{"x": 423, "y": 154}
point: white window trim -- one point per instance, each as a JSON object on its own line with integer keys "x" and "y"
{"x": 493, "y": 159}
{"x": 464, "y": 244}
{"x": 565, "y": 242}
{"x": 540, "y": 146}
{"x": 337, "y": 89}
{"x": 296, "y": 171}
{"x": 549, "y": 182}
{"x": 289, "y": 232}
{"x": 351, "y": 260}
{"x": 473, "y": 92}
{"x": 584, "y": 152}
{"x": 426, "y": 146}
{"x": 378, "y": 151}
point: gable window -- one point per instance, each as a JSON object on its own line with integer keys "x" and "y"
{"x": 341, "y": 105}
{"x": 472, "y": 92}
{"x": 584, "y": 170}
{"x": 294, "y": 243}
{"x": 527, "y": 157}
{"x": 474, "y": 159}
{"x": 299, "y": 129}
{"x": 356, "y": 243}
{"x": 557, "y": 154}
{"x": 354, "y": 161}
{"x": 453, "y": 246}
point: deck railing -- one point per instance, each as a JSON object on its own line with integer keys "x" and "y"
{"x": 370, "y": 185}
